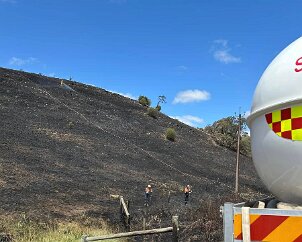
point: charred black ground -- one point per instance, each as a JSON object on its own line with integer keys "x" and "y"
{"x": 65, "y": 152}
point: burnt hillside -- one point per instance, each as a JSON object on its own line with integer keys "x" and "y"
{"x": 64, "y": 149}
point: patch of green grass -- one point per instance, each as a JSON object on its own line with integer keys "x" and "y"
{"x": 24, "y": 229}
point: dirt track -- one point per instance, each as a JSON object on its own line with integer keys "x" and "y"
{"x": 63, "y": 153}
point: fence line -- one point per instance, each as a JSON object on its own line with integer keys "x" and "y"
{"x": 174, "y": 229}
{"x": 124, "y": 210}
{"x": 125, "y": 207}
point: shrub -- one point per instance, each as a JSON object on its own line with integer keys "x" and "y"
{"x": 143, "y": 100}
{"x": 158, "y": 108}
{"x": 170, "y": 134}
{"x": 70, "y": 125}
{"x": 224, "y": 132}
{"x": 152, "y": 112}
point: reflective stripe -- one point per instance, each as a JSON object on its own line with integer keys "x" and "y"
{"x": 289, "y": 230}
{"x": 286, "y": 123}
{"x": 296, "y": 112}
{"x": 270, "y": 228}
{"x": 276, "y": 116}
{"x": 246, "y": 231}
{"x": 297, "y": 134}
{"x": 238, "y": 223}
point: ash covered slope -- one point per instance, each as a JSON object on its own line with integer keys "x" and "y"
{"x": 64, "y": 152}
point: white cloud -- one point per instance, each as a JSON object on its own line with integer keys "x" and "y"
{"x": 182, "y": 68}
{"x": 129, "y": 95}
{"x": 222, "y": 42}
{"x": 15, "y": 61}
{"x": 222, "y": 52}
{"x": 189, "y": 96}
{"x": 225, "y": 57}
{"x": 189, "y": 120}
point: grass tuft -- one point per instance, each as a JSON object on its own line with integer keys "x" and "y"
{"x": 24, "y": 229}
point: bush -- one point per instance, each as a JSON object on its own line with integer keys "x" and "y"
{"x": 143, "y": 100}
{"x": 70, "y": 125}
{"x": 158, "y": 108}
{"x": 170, "y": 134}
{"x": 152, "y": 112}
{"x": 224, "y": 132}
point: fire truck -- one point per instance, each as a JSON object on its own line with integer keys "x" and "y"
{"x": 275, "y": 123}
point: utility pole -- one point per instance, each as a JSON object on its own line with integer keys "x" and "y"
{"x": 238, "y": 152}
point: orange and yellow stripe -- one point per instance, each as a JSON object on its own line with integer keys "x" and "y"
{"x": 271, "y": 228}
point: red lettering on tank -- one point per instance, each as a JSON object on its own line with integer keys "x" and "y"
{"x": 298, "y": 63}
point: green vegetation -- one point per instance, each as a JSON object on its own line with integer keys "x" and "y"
{"x": 24, "y": 229}
{"x": 143, "y": 100}
{"x": 158, "y": 107}
{"x": 225, "y": 131}
{"x": 152, "y": 112}
{"x": 245, "y": 144}
{"x": 161, "y": 99}
{"x": 170, "y": 134}
{"x": 70, "y": 125}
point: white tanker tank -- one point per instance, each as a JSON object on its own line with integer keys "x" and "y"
{"x": 276, "y": 125}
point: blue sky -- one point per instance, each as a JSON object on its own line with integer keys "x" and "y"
{"x": 205, "y": 56}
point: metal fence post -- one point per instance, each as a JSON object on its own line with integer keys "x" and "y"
{"x": 175, "y": 231}
{"x": 228, "y": 227}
